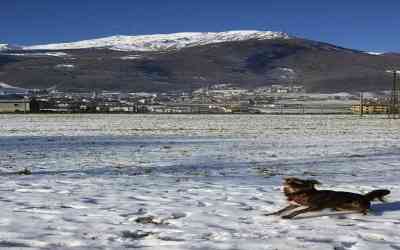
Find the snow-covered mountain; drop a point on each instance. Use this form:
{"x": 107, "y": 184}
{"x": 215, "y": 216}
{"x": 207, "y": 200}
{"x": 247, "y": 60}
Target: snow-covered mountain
{"x": 163, "y": 41}
{"x": 255, "y": 59}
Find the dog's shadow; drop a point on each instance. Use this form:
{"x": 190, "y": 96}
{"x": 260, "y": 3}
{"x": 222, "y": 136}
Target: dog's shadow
{"x": 338, "y": 214}
{"x": 377, "y": 209}
{"x": 381, "y": 208}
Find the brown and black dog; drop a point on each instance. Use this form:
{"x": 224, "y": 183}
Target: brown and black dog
{"x": 303, "y": 193}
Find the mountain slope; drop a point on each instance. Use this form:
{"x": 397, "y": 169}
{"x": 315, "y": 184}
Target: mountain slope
{"x": 248, "y": 63}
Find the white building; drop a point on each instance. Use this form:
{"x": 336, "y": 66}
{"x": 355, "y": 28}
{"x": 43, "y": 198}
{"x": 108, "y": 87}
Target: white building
{"x": 14, "y": 105}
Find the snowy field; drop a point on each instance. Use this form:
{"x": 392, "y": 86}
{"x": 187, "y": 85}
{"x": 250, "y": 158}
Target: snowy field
{"x": 192, "y": 181}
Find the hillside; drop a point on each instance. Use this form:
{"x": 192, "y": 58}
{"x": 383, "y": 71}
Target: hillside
{"x": 247, "y": 62}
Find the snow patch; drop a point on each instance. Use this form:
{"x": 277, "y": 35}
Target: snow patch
{"x": 289, "y": 70}
{"x": 161, "y": 42}
{"x": 5, "y": 85}
{"x": 55, "y": 54}
{"x": 68, "y": 66}
{"x": 131, "y": 57}
{"x": 375, "y": 53}
{"x": 6, "y": 89}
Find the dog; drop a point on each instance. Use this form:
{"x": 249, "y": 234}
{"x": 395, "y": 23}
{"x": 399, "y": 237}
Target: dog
{"x": 303, "y": 193}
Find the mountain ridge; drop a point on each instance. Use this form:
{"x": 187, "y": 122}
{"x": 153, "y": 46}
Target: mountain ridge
{"x": 162, "y": 42}
{"x": 248, "y": 63}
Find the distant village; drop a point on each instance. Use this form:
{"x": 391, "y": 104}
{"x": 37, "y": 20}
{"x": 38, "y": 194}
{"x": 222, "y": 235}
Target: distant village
{"x": 218, "y": 98}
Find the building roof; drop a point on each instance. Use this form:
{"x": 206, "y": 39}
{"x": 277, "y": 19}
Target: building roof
{"x": 13, "y": 99}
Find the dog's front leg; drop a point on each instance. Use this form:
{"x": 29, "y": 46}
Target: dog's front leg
{"x": 290, "y": 207}
{"x": 301, "y": 211}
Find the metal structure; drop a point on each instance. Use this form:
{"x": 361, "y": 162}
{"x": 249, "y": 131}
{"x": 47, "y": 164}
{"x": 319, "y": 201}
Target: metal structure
{"x": 361, "y": 104}
{"x": 394, "y": 99}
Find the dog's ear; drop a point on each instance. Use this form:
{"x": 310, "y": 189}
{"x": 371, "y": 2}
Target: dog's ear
{"x": 288, "y": 179}
{"x": 292, "y": 180}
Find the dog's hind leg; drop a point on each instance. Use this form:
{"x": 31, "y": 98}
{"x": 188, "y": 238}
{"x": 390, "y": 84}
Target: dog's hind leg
{"x": 290, "y": 207}
{"x": 301, "y": 211}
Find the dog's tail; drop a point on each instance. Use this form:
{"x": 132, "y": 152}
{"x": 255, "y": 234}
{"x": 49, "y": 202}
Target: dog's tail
{"x": 377, "y": 194}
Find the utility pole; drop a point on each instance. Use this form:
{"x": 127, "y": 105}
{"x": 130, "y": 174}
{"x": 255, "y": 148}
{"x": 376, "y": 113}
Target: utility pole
{"x": 361, "y": 104}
